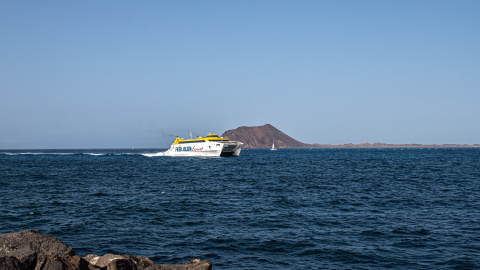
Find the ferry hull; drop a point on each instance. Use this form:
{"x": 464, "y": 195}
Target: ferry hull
{"x": 207, "y": 149}
{"x": 231, "y": 149}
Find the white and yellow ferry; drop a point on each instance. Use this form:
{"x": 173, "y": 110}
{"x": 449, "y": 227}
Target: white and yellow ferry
{"x": 210, "y": 146}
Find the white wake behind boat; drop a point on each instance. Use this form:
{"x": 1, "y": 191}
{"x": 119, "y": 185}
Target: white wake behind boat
{"x": 210, "y": 146}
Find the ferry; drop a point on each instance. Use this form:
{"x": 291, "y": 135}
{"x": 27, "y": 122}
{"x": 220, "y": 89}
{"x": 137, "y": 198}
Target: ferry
{"x": 210, "y": 146}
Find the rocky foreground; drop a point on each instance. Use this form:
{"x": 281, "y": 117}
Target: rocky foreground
{"x": 31, "y": 250}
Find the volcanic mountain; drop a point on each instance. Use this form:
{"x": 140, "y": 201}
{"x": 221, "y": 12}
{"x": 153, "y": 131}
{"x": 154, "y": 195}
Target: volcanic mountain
{"x": 262, "y": 137}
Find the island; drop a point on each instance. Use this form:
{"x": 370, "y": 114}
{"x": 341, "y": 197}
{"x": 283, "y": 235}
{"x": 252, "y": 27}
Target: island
{"x": 264, "y": 136}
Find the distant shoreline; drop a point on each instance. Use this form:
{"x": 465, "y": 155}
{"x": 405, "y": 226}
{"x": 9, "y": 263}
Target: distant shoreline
{"x": 377, "y": 145}
{"x": 386, "y": 145}
{"x": 263, "y": 137}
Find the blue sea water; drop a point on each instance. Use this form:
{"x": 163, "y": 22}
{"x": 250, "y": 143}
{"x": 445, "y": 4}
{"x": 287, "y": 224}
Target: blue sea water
{"x": 285, "y": 209}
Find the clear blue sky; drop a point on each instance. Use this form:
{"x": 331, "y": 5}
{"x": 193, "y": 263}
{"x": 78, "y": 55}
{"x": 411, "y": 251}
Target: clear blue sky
{"x": 101, "y": 74}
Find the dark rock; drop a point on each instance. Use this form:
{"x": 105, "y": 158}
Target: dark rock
{"x": 122, "y": 264}
{"x": 123, "y": 261}
{"x": 35, "y": 241}
{"x": 196, "y": 264}
{"x": 30, "y": 245}
{"x": 31, "y": 250}
{"x": 50, "y": 263}
{"x": 10, "y": 263}
{"x": 103, "y": 261}
{"x": 26, "y": 257}
{"x": 54, "y": 262}
{"x": 141, "y": 262}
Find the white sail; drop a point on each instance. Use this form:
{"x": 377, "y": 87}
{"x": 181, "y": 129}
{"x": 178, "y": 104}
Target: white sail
{"x": 273, "y": 146}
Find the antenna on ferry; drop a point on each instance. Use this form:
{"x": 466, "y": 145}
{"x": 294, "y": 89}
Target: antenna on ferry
{"x": 191, "y": 135}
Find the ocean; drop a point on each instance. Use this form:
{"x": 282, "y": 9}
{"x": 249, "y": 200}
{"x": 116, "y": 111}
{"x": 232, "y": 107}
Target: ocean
{"x": 285, "y": 209}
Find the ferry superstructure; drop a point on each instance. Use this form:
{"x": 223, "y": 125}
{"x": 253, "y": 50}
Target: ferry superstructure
{"x": 210, "y": 146}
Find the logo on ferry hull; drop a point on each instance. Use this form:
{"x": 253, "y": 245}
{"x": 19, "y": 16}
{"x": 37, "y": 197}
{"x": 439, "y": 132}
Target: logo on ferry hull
{"x": 197, "y": 149}
{"x": 187, "y": 149}
{"x": 183, "y": 149}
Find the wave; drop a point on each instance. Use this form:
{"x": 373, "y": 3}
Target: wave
{"x": 70, "y": 154}
{"x": 159, "y": 154}
{"x": 34, "y": 153}
{"x": 78, "y": 152}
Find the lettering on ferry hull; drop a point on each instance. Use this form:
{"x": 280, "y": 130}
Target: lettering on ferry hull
{"x": 188, "y": 149}
{"x": 183, "y": 149}
{"x": 197, "y": 149}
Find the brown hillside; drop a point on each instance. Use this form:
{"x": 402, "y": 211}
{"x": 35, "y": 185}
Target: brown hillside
{"x": 262, "y": 137}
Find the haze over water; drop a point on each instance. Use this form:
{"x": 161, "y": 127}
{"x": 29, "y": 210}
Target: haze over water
{"x": 285, "y": 209}
{"x": 122, "y": 74}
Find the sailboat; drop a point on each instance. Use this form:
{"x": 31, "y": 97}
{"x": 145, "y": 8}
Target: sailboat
{"x": 273, "y": 147}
